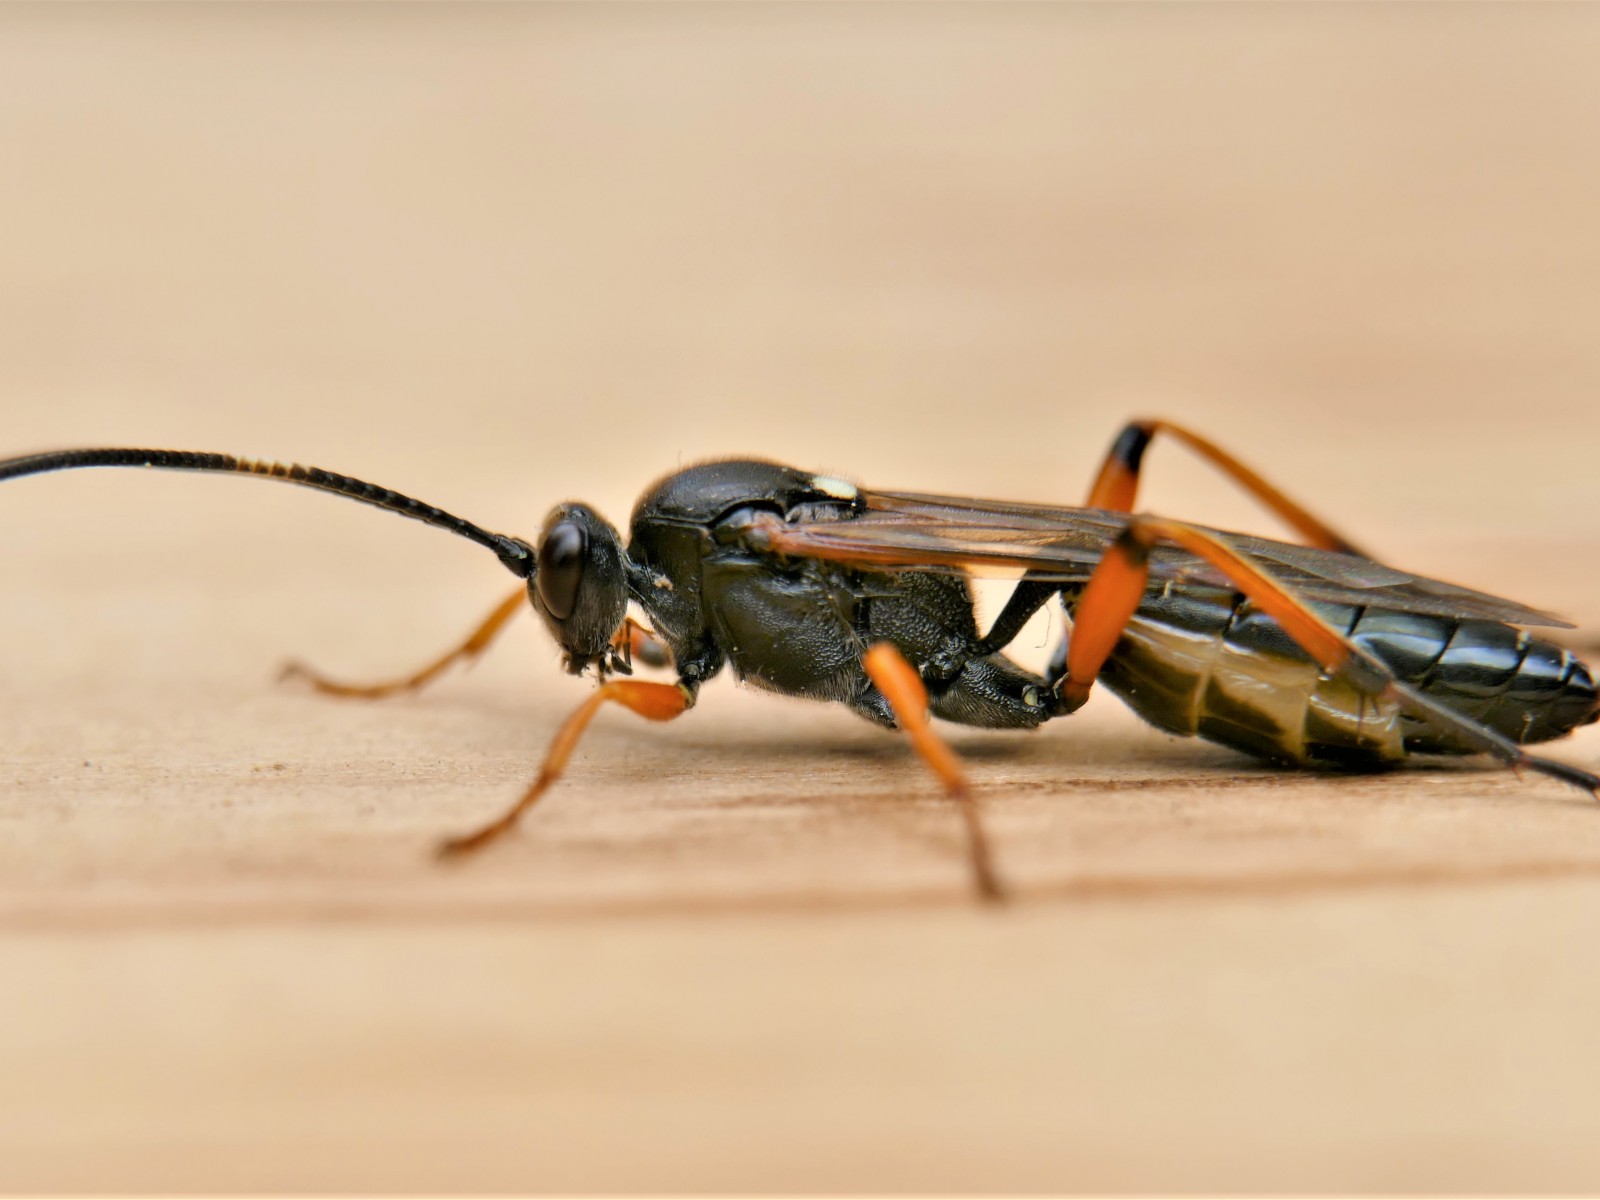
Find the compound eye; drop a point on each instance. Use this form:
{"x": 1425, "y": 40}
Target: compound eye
{"x": 561, "y": 568}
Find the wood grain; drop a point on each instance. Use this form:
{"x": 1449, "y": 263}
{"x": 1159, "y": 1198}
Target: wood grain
{"x": 498, "y": 257}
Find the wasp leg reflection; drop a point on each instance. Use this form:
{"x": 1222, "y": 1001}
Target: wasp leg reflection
{"x": 903, "y": 688}
{"x": 653, "y": 701}
{"x": 468, "y": 650}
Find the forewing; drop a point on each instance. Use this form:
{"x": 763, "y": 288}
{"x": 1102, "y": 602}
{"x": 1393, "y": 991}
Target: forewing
{"x": 903, "y": 530}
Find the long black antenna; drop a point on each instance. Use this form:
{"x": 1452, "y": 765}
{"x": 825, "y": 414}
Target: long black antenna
{"x": 516, "y": 554}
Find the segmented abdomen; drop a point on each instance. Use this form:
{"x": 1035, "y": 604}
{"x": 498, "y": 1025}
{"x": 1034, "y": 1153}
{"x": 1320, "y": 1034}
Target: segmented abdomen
{"x": 1209, "y": 663}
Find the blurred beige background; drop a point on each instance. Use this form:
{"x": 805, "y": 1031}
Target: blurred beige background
{"x": 501, "y": 256}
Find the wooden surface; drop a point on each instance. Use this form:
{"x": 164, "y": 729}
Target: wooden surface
{"x": 499, "y": 257}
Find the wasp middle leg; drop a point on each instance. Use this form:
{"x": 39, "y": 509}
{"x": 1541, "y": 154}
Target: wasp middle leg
{"x": 902, "y": 687}
{"x": 653, "y": 701}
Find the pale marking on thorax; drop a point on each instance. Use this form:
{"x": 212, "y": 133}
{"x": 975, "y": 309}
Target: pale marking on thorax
{"x": 839, "y": 489}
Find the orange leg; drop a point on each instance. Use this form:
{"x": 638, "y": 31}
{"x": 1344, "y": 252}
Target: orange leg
{"x": 1117, "y": 485}
{"x": 468, "y": 650}
{"x": 653, "y": 701}
{"x": 902, "y": 687}
{"x": 1113, "y": 593}
{"x": 636, "y": 641}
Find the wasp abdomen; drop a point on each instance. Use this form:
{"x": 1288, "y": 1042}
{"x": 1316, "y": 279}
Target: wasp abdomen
{"x": 1209, "y": 663}
{"x": 1519, "y": 685}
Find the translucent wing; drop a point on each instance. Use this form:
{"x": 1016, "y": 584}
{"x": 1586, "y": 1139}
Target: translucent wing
{"x": 983, "y": 537}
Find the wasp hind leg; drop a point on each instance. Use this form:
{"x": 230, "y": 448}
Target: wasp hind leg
{"x": 476, "y": 643}
{"x": 1116, "y": 487}
{"x": 1113, "y": 593}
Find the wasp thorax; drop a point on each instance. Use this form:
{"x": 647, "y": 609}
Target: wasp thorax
{"x": 578, "y": 584}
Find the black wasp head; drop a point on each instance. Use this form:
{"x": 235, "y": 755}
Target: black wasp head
{"x": 578, "y": 585}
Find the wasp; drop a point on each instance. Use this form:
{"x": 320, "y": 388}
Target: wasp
{"x": 1308, "y": 653}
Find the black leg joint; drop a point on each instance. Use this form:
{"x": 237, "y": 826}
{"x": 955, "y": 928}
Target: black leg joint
{"x": 1027, "y": 598}
{"x": 1131, "y": 444}
{"x": 1133, "y": 544}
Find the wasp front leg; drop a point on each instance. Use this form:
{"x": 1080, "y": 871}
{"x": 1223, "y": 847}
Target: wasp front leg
{"x": 653, "y": 701}
{"x": 476, "y": 643}
{"x": 636, "y": 641}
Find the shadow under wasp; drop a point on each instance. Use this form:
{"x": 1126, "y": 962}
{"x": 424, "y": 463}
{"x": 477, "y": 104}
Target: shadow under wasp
{"x": 1308, "y": 654}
